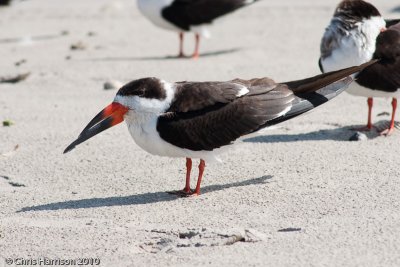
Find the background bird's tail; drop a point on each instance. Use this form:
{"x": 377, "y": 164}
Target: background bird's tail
{"x": 313, "y": 92}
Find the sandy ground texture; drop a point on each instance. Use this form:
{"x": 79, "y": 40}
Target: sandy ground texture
{"x": 298, "y": 195}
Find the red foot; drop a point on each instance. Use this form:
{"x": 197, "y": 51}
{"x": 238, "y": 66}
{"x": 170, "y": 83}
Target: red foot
{"x": 387, "y": 132}
{"x": 195, "y": 56}
{"x": 184, "y": 193}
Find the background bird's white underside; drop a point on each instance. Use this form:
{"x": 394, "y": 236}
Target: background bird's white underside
{"x": 358, "y": 90}
{"x": 355, "y": 48}
{"x": 152, "y": 10}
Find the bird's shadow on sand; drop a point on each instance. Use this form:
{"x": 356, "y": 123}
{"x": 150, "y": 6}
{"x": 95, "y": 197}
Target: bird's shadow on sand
{"x": 338, "y": 134}
{"x": 140, "y": 199}
{"x": 202, "y": 55}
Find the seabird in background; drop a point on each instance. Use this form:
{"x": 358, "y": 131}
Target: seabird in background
{"x": 357, "y": 33}
{"x": 201, "y": 119}
{"x": 188, "y": 15}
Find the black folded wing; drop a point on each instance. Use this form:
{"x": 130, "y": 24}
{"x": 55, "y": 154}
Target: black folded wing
{"x": 205, "y": 116}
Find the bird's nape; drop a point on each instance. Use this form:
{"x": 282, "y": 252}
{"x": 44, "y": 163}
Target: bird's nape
{"x": 110, "y": 116}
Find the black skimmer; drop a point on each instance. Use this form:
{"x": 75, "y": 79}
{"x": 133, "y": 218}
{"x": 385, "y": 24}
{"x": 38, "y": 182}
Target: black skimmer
{"x": 200, "y": 119}
{"x": 357, "y": 33}
{"x": 188, "y": 15}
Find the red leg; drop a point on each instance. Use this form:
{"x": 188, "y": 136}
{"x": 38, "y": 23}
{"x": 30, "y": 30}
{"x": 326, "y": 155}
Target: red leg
{"x": 188, "y": 170}
{"x": 389, "y": 131}
{"x": 186, "y": 191}
{"x": 369, "y": 126}
{"x": 181, "y": 54}
{"x": 202, "y": 166}
{"x": 197, "y": 47}
{"x": 370, "y": 102}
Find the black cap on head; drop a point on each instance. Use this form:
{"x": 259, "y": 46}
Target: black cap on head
{"x": 146, "y": 88}
{"x": 356, "y": 10}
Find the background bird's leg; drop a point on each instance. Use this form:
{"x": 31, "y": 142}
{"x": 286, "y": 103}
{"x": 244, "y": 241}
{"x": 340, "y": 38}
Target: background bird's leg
{"x": 197, "y": 47}
{"x": 369, "y": 126}
{"x": 390, "y": 130}
{"x": 202, "y": 166}
{"x": 181, "y": 54}
{"x": 188, "y": 170}
{"x": 370, "y": 102}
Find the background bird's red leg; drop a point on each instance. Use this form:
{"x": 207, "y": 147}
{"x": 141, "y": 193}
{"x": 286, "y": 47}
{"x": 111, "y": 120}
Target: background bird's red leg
{"x": 181, "y": 54}
{"x": 202, "y": 166}
{"x": 370, "y": 102}
{"x": 391, "y": 127}
{"x": 197, "y": 47}
{"x": 369, "y": 126}
{"x": 188, "y": 170}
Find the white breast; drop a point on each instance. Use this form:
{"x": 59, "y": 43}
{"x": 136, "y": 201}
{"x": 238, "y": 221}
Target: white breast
{"x": 353, "y": 48}
{"x": 143, "y": 129}
{"x": 352, "y": 51}
{"x": 152, "y": 10}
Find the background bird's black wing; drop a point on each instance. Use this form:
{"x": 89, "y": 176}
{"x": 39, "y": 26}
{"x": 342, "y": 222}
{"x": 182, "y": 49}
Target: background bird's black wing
{"x": 186, "y": 13}
{"x": 385, "y": 74}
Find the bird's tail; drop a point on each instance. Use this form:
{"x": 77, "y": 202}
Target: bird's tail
{"x": 313, "y": 92}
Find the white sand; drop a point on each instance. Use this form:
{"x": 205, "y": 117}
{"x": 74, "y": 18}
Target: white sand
{"x": 107, "y": 198}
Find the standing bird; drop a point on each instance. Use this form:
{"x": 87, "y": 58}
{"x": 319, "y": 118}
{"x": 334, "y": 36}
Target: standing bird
{"x": 357, "y": 33}
{"x": 200, "y": 119}
{"x": 188, "y": 15}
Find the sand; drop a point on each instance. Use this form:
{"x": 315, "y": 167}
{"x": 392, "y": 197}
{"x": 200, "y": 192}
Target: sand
{"x": 298, "y": 195}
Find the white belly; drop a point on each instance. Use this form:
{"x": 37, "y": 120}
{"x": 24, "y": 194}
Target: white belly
{"x": 151, "y": 9}
{"x": 348, "y": 54}
{"x": 143, "y": 130}
{"x": 358, "y": 90}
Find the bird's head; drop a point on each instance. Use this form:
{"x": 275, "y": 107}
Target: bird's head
{"x": 148, "y": 95}
{"x": 361, "y": 15}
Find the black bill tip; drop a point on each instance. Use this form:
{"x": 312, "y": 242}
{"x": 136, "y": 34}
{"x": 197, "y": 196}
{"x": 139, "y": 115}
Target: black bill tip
{"x": 69, "y": 148}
